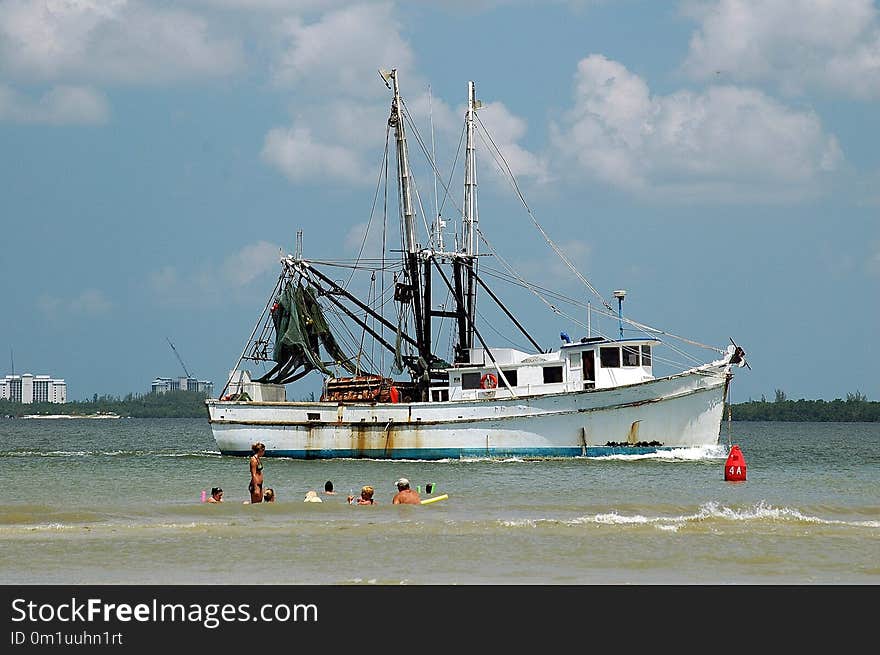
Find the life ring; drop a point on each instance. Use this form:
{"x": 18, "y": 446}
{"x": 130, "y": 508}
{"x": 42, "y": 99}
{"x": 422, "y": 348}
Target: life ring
{"x": 488, "y": 381}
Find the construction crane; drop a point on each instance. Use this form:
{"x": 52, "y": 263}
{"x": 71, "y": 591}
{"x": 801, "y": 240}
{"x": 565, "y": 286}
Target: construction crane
{"x": 178, "y": 357}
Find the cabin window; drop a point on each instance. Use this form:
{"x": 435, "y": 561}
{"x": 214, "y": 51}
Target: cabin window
{"x": 552, "y": 374}
{"x": 313, "y": 416}
{"x": 646, "y": 355}
{"x": 630, "y": 355}
{"x": 440, "y": 395}
{"x": 470, "y": 380}
{"x": 609, "y": 356}
{"x": 574, "y": 360}
{"x": 511, "y": 377}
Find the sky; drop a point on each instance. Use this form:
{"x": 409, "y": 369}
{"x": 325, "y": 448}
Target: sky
{"x": 718, "y": 159}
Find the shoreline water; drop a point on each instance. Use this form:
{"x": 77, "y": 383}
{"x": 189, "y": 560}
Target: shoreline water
{"x": 118, "y": 502}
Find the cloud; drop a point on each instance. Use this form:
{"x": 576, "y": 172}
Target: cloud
{"x": 506, "y": 129}
{"x": 61, "y": 105}
{"x": 272, "y": 5}
{"x": 366, "y": 244}
{"x": 89, "y": 303}
{"x": 795, "y": 44}
{"x": 343, "y": 50}
{"x": 543, "y": 267}
{"x": 297, "y": 154}
{"x": 724, "y": 142}
{"x": 230, "y": 280}
{"x": 249, "y": 263}
{"x": 118, "y": 40}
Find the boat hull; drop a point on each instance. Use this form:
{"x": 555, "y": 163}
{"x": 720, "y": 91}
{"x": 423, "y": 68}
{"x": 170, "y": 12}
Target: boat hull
{"x": 679, "y": 411}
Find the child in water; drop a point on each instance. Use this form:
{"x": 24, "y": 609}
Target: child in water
{"x": 366, "y": 497}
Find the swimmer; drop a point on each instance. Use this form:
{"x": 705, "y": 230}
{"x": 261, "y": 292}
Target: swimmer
{"x": 366, "y": 497}
{"x": 405, "y": 495}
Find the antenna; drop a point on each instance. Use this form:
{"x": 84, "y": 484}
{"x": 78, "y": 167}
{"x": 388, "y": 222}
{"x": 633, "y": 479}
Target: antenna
{"x": 178, "y": 357}
{"x": 620, "y": 294}
{"x": 438, "y": 227}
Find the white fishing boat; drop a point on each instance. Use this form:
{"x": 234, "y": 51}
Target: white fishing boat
{"x": 589, "y": 396}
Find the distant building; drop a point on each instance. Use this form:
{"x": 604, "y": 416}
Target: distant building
{"x": 163, "y": 385}
{"x": 28, "y": 389}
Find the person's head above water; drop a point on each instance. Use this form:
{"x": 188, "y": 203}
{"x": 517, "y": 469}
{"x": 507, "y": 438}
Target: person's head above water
{"x": 328, "y": 486}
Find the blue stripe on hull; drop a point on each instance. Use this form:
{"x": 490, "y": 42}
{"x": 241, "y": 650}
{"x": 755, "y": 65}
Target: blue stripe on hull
{"x": 457, "y": 453}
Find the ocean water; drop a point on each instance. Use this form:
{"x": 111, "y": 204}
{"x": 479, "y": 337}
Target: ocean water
{"x": 85, "y": 501}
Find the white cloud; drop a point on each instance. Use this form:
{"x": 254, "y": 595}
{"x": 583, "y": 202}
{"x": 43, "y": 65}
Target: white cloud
{"x": 231, "y": 279}
{"x": 577, "y": 252}
{"x": 61, "y": 105}
{"x": 506, "y": 130}
{"x": 301, "y": 157}
{"x": 358, "y": 237}
{"x": 90, "y": 303}
{"x": 273, "y": 5}
{"x": 725, "y": 140}
{"x": 343, "y": 50}
{"x": 544, "y": 268}
{"x": 119, "y": 40}
{"x": 249, "y": 263}
{"x": 834, "y": 44}
{"x": 341, "y": 136}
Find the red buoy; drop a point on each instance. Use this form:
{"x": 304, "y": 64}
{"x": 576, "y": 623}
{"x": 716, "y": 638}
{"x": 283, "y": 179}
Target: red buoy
{"x": 735, "y": 466}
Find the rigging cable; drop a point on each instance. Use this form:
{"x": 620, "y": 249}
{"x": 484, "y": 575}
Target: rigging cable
{"x": 424, "y": 150}
{"x": 556, "y": 249}
{"x": 382, "y": 164}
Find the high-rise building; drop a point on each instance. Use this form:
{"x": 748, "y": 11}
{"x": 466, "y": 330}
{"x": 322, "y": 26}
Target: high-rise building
{"x": 29, "y": 388}
{"x": 183, "y": 383}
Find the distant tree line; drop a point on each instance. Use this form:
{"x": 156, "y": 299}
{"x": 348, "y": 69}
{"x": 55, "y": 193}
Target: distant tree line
{"x": 856, "y": 407}
{"x": 171, "y": 404}
{"x": 191, "y": 404}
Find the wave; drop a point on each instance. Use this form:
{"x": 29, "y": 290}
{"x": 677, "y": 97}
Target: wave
{"x": 691, "y": 453}
{"x": 760, "y": 513}
{"x": 105, "y": 526}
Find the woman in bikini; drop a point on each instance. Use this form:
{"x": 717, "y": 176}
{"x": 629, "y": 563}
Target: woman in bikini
{"x": 256, "y": 466}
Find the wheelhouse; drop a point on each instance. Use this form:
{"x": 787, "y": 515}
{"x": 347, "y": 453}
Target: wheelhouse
{"x": 592, "y": 363}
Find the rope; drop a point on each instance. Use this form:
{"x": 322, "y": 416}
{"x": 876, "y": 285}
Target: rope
{"x": 559, "y": 253}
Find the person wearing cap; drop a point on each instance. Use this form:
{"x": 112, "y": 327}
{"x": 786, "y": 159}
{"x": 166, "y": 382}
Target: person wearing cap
{"x": 216, "y": 495}
{"x": 405, "y": 495}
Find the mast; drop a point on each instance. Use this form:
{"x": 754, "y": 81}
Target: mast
{"x": 415, "y": 292}
{"x": 470, "y": 222}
